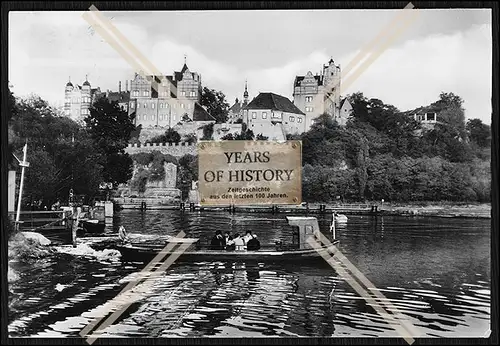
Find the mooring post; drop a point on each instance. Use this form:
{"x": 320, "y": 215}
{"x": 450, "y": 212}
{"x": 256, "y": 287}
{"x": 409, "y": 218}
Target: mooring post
{"x": 191, "y": 206}
{"x": 74, "y": 226}
{"x": 182, "y": 206}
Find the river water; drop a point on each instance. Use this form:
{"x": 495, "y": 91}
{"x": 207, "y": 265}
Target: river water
{"x": 435, "y": 271}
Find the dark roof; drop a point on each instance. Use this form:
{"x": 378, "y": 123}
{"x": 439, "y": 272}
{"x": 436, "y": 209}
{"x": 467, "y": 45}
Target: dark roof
{"x": 69, "y": 84}
{"x": 274, "y": 102}
{"x": 178, "y": 75}
{"x": 123, "y": 96}
{"x": 86, "y": 83}
{"x": 299, "y": 79}
{"x": 236, "y": 107}
{"x": 200, "y": 114}
{"x": 331, "y": 61}
{"x": 184, "y": 68}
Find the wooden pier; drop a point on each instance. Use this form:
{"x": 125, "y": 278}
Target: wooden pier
{"x": 155, "y": 204}
{"x": 56, "y": 226}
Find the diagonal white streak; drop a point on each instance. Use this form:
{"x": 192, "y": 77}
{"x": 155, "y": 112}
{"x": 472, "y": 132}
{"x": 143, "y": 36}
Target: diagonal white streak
{"x": 406, "y": 330}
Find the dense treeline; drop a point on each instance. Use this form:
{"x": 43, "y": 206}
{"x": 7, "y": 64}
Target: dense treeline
{"x": 65, "y": 155}
{"x": 383, "y": 153}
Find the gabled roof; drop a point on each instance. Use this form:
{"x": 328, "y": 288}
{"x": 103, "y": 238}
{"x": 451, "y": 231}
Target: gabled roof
{"x": 236, "y": 107}
{"x": 299, "y": 79}
{"x": 178, "y": 75}
{"x": 274, "y": 102}
{"x": 200, "y": 114}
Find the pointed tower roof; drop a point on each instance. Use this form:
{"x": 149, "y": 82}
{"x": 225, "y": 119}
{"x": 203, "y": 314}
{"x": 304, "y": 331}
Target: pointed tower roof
{"x": 185, "y": 67}
{"x": 69, "y": 82}
{"x": 86, "y": 81}
{"x": 245, "y": 94}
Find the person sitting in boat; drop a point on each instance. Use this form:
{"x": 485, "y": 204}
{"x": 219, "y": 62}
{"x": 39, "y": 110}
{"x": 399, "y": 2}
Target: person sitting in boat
{"x": 239, "y": 243}
{"x": 217, "y": 241}
{"x": 122, "y": 234}
{"x": 253, "y": 244}
{"x": 229, "y": 242}
{"x": 247, "y": 237}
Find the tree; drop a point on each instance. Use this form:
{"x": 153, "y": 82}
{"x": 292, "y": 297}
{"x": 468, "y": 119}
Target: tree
{"x": 208, "y": 131}
{"x": 215, "y": 103}
{"x": 170, "y": 136}
{"x": 245, "y": 135}
{"x": 479, "y": 133}
{"x": 61, "y": 153}
{"x": 110, "y": 127}
{"x": 188, "y": 172}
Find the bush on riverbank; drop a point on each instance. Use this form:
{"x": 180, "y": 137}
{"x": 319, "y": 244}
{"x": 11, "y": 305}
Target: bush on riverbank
{"x": 26, "y": 250}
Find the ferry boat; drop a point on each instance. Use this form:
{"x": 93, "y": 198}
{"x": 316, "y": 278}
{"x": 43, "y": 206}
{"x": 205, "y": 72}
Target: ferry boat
{"x": 140, "y": 251}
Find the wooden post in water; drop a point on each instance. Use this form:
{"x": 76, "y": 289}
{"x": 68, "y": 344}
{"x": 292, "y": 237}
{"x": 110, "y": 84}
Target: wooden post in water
{"x": 75, "y": 225}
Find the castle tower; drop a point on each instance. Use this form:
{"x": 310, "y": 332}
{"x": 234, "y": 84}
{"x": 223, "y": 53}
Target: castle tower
{"x": 86, "y": 98}
{"x": 331, "y": 84}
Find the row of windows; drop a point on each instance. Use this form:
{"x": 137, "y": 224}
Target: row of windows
{"x": 275, "y": 115}
{"x": 153, "y": 117}
{"x": 309, "y": 109}
{"x": 85, "y": 112}
{"x": 191, "y": 93}
{"x": 77, "y": 99}
{"x": 144, "y": 93}
{"x": 163, "y": 93}
{"x": 309, "y": 98}
{"x": 161, "y": 105}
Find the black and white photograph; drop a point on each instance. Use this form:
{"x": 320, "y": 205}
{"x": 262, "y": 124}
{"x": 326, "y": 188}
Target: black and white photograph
{"x": 248, "y": 173}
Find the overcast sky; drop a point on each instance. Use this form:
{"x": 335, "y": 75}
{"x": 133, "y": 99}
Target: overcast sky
{"x": 443, "y": 50}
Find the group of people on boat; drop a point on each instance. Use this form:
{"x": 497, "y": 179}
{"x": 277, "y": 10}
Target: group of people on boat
{"x": 239, "y": 243}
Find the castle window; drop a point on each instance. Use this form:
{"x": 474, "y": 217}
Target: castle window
{"x": 182, "y": 105}
{"x": 189, "y": 105}
{"x": 192, "y": 93}
{"x": 136, "y": 93}
{"x": 161, "y": 105}
{"x": 264, "y": 115}
{"x": 138, "y": 104}
{"x": 145, "y": 117}
{"x": 153, "y": 117}
{"x": 299, "y": 120}
{"x": 152, "y": 105}
{"x": 145, "y": 105}
{"x": 145, "y": 93}
{"x": 183, "y": 93}
{"x": 254, "y": 115}
{"x": 309, "y": 109}
{"x": 292, "y": 118}
{"x": 309, "y": 98}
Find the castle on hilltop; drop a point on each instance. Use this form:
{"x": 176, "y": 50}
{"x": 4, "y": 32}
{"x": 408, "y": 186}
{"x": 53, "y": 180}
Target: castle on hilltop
{"x": 320, "y": 93}
{"x": 164, "y": 101}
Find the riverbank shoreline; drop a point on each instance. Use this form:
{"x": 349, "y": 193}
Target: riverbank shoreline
{"x": 480, "y": 211}
{"x": 431, "y": 209}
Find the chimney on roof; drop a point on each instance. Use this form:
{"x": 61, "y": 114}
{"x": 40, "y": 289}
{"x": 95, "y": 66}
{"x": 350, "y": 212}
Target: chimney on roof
{"x": 120, "y": 86}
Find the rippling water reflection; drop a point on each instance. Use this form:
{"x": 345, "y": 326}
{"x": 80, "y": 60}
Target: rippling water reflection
{"x": 435, "y": 271}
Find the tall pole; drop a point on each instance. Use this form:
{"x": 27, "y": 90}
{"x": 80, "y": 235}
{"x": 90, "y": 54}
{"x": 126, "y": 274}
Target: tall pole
{"x": 23, "y": 164}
